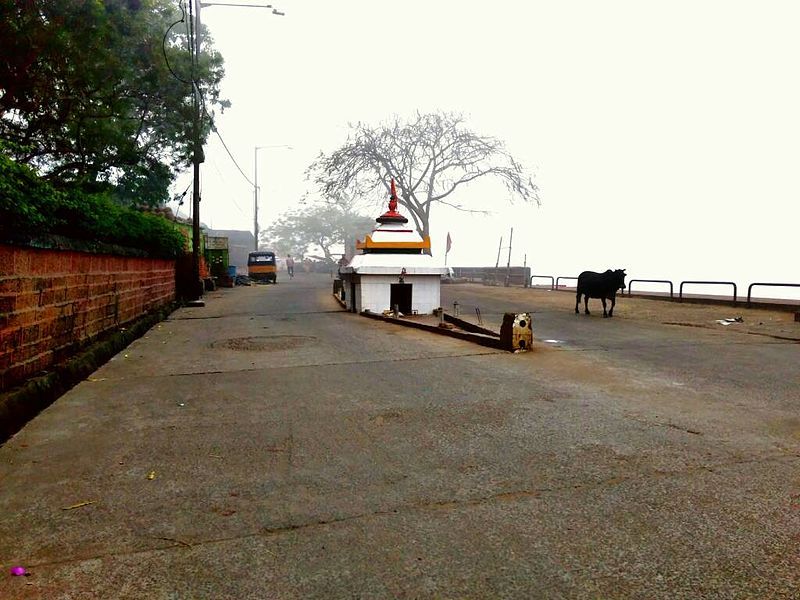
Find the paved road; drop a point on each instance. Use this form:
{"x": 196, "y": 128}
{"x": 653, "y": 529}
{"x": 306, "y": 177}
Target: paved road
{"x": 749, "y": 369}
{"x": 272, "y": 446}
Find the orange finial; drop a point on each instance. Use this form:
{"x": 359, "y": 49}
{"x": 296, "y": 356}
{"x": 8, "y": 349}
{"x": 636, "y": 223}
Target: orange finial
{"x": 392, "y": 216}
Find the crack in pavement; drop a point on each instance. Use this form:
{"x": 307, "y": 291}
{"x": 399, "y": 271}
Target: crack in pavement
{"x": 252, "y": 314}
{"x": 504, "y": 496}
{"x": 321, "y": 364}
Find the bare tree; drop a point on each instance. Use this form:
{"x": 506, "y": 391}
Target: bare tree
{"x": 430, "y": 157}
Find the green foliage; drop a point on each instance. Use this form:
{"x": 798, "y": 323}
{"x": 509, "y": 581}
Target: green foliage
{"x": 32, "y": 208}
{"x": 18, "y": 184}
{"x": 317, "y": 228}
{"x": 97, "y": 94}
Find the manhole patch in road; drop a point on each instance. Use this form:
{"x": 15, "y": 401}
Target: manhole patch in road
{"x": 264, "y": 343}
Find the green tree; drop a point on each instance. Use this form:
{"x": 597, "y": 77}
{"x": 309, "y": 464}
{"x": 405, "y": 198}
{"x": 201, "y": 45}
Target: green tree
{"x": 430, "y": 157}
{"x": 96, "y": 94}
{"x": 316, "y": 229}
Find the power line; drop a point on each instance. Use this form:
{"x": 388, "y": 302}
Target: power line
{"x": 195, "y": 84}
{"x": 219, "y": 135}
{"x": 224, "y": 145}
{"x": 233, "y": 199}
{"x": 164, "y": 45}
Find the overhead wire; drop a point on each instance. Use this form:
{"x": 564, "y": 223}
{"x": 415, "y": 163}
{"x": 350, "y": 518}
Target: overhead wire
{"x": 222, "y": 177}
{"x": 215, "y": 129}
{"x": 224, "y": 145}
{"x": 164, "y": 45}
{"x": 195, "y": 84}
{"x": 180, "y": 199}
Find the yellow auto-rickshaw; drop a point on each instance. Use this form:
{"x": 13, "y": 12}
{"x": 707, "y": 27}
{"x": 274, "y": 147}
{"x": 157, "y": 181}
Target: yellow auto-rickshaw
{"x": 261, "y": 266}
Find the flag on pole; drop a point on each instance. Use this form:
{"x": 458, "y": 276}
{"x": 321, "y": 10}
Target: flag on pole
{"x": 449, "y": 243}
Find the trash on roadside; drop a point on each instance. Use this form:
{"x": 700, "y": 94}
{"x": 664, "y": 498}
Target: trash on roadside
{"x": 19, "y": 572}
{"x": 730, "y": 321}
{"x": 78, "y": 505}
{"x": 151, "y": 475}
{"x": 552, "y": 341}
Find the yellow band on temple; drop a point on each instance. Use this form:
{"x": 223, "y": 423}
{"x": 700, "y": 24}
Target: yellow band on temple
{"x": 368, "y": 243}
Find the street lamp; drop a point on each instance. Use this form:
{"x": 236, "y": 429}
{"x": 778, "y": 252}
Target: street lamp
{"x": 197, "y": 148}
{"x": 255, "y": 187}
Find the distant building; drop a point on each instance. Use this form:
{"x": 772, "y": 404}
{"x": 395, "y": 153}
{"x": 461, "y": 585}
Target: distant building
{"x": 240, "y": 244}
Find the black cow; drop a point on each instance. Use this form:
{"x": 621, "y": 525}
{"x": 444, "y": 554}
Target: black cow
{"x": 600, "y": 285}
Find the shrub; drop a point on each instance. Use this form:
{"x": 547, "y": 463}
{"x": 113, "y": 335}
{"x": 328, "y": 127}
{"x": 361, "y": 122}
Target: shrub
{"x": 31, "y": 207}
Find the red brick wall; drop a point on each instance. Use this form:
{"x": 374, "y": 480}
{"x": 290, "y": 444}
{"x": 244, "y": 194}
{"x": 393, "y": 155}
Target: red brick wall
{"x": 53, "y": 300}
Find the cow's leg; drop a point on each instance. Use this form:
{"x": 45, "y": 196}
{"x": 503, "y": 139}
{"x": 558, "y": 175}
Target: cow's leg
{"x": 586, "y": 304}
{"x": 603, "y": 300}
{"x": 613, "y": 304}
{"x": 577, "y": 302}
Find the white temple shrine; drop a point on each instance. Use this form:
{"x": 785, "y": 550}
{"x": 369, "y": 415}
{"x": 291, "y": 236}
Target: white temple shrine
{"x": 393, "y": 271}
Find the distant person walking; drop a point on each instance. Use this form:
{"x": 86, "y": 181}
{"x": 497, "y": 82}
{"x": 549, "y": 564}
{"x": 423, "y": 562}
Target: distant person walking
{"x": 290, "y": 266}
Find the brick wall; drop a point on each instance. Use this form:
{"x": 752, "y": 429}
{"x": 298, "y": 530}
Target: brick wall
{"x": 52, "y": 301}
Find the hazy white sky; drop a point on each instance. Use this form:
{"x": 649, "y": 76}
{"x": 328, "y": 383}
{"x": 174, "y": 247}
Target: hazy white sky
{"x": 664, "y": 136}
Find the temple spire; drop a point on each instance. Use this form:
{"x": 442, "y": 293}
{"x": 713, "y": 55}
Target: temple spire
{"x": 393, "y": 199}
{"x": 392, "y": 216}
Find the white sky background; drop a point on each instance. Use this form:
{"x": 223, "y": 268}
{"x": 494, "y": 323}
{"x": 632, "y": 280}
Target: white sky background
{"x": 664, "y": 136}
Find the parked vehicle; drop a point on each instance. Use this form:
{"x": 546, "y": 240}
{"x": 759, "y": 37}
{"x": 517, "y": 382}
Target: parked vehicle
{"x": 261, "y": 266}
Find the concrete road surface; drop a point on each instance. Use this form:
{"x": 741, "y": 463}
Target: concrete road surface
{"x": 270, "y": 445}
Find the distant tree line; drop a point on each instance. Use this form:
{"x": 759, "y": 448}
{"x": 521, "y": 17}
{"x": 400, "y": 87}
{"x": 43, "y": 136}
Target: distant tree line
{"x": 319, "y": 232}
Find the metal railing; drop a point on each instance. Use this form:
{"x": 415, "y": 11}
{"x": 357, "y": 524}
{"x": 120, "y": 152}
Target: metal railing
{"x": 680, "y": 289}
{"x": 750, "y": 287}
{"x": 560, "y": 278}
{"x": 550, "y": 277}
{"x": 555, "y": 282}
{"x": 667, "y": 281}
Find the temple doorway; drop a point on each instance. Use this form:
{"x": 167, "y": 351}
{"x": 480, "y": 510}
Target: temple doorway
{"x": 400, "y": 296}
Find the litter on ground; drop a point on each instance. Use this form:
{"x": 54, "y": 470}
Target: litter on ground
{"x": 79, "y": 505}
{"x": 730, "y": 321}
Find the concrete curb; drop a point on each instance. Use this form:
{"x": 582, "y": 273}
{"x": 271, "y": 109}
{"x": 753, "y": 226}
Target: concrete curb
{"x": 476, "y": 338}
{"x": 21, "y": 404}
{"x": 471, "y": 327}
{"x": 472, "y": 333}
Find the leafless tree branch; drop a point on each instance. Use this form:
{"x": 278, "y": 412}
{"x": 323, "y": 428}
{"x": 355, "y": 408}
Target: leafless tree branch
{"x": 430, "y": 157}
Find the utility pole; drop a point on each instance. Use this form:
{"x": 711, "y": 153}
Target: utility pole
{"x": 197, "y": 147}
{"x": 256, "y": 188}
{"x": 196, "y": 291}
{"x": 255, "y": 196}
{"x": 497, "y": 262}
{"x": 508, "y": 264}
{"x": 527, "y": 281}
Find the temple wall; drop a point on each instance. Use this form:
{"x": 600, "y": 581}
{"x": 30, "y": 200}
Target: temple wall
{"x": 374, "y": 291}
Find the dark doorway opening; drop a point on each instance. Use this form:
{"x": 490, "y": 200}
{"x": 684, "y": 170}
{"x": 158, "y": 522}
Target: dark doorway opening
{"x": 353, "y": 297}
{"x": 400, "y": 296}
